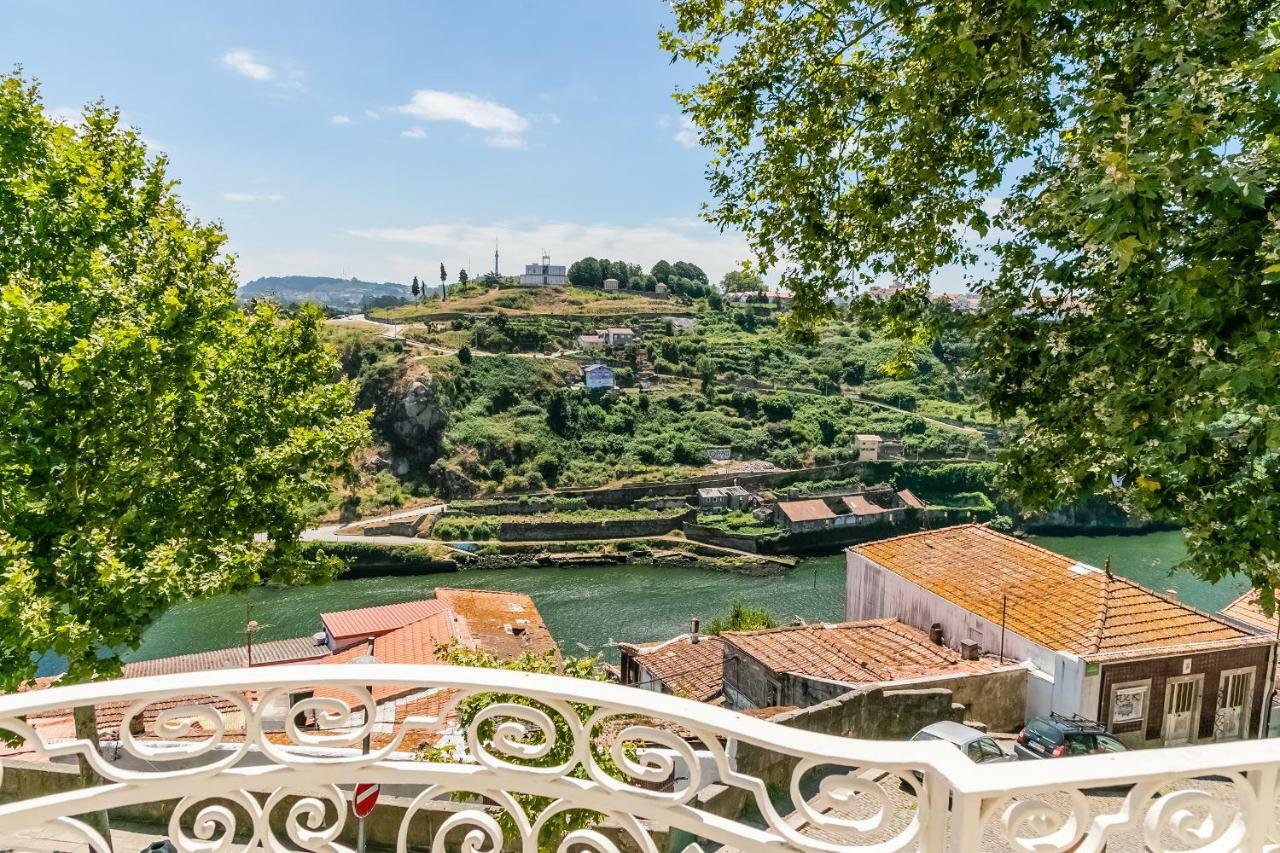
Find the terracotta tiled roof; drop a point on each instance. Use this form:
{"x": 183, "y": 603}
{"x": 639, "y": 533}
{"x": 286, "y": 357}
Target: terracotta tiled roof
{"x": 346, "y": 625}
{"x": 692, "y": 670}
{"x": 908, "y": 497}
{"x": 859, "y": 505}
{"x": 810, "y": 510}
{"x": 1246, "y": 609}
{"x": 504, "y": 624}
{"x": 1053, "y": 600}
{"x": 865, "y": 652}
{"x": 294, "y": 650}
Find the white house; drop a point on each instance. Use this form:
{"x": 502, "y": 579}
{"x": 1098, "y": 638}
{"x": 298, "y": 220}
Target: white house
{"x": 610, "y": 284}
{"x": 597, "y": 376}
{"x": 868, "y": 447}
{"x": 1153, "y": 670}
{"x": 544, "y": 273}
{"x": 617, "y": 336}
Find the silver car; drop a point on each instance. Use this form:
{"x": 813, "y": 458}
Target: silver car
{"x": 978, "y": 745}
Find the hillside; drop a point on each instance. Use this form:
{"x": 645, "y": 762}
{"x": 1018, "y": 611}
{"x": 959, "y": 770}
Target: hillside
{"x": 504, "y": 416}
{"x": 343, "y": 293}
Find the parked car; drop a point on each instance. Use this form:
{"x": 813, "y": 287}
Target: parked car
{"x": 978, "y": 745}
{"x": 1057, "y": 736}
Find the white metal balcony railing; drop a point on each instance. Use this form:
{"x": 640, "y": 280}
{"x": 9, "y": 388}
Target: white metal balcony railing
{"x": 663, "y": 785}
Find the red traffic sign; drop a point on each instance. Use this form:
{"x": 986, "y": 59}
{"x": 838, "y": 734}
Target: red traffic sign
{"x": 366, "y": 797}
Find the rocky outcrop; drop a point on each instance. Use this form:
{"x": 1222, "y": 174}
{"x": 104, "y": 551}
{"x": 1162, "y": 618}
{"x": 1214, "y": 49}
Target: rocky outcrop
{"x": 418, "y": 425}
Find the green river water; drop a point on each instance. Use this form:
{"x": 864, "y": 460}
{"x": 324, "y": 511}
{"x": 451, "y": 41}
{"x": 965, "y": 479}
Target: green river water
{"x": 588, "y": 608}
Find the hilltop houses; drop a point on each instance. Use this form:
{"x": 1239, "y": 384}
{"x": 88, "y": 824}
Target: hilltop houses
{"x": 545, "y": 273}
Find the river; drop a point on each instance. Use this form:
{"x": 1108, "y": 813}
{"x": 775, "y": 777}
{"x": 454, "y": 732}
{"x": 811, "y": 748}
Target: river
{"x": 589, "y": 608}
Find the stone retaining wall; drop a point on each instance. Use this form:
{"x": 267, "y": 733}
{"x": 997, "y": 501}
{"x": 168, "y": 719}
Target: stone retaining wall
{"x": 525, "y": 531}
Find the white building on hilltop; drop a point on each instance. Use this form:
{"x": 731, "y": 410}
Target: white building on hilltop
{"x": 544, "y": 273}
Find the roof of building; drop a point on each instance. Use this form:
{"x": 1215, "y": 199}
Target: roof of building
{"x": 590, "y": 339}
{"x": 867, "y": 652}
{"x": 370, "y": 621}
{"x": 1052, "y": 600}
{"x": 721, "y": 491}
{"x": 592, "y": 367}
{"x": 867, "y": 436}
{"x": 808, "y": 510}
{"x": 619, "y": 330}
{"x": 1248, "y": 610}
{"x": 859, "y": 505}
{"x": 908, "y": 497}
{"x": 688, "y": 669}
{"x": 293, "y": 650}
{"x": 504, "y": 624}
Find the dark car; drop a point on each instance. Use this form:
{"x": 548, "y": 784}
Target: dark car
{"x": 1057, "y": 736}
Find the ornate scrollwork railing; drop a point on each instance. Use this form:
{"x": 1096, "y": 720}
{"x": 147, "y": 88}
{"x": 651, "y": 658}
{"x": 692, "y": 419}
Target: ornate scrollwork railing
{"x": 266, "y": 757}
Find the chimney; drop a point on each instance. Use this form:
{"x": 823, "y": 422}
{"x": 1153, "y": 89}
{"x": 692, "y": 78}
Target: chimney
{"x": 969, "y": 649}
{"x": 1171, "y": 593}
{"x": 694, "y": 624}
{"x": 935, "y": 633}
{"x": 1106, "y": 566}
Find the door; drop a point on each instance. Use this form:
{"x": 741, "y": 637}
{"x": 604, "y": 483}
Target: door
{"x": 1235, "y": 700}
{"x": 1181, "y": 709}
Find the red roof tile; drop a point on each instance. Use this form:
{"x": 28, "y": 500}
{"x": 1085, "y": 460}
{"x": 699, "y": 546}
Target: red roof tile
{"x": 692, "y": 670}
{"x": 867, "y": 652}
{"x": 1052, "y": 600}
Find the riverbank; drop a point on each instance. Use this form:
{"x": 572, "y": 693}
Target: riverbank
{"x": 588, "y": 607}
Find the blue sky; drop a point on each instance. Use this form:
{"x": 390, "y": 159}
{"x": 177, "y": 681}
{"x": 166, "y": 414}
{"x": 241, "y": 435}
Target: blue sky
{"x": 379, "y": 139}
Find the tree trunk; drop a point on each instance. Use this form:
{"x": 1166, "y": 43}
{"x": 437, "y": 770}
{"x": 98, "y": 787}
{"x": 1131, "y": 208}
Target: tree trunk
{"x": 86, "y": 720}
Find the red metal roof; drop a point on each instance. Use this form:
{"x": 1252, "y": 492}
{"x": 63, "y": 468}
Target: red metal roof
{"x": 859, "y": 505}
{"x": 810, "y": 510}
{"x": 346, "y": 625}
{"x": 293, "y": 650}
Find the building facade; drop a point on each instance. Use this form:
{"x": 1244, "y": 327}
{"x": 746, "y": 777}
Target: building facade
{"x": 544, "y": 273}
{"x": 1155, "y": 671}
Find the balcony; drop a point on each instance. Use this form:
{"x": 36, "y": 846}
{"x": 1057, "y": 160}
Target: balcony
{"x": 267, "y": 757}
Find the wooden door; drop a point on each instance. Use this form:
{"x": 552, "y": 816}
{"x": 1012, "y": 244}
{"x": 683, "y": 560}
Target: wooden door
{"x": 1235, "y": 701}
{"x": 1181, "y": 709}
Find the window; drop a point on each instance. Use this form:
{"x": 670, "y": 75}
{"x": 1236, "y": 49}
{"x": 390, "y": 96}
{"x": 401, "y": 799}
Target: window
{"x": 1129, "y": 702}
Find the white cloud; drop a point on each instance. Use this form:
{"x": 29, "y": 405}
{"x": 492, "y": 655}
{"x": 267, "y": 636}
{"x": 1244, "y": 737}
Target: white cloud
{"x": 243, "y": 63}
{"x": 414, "y": 132}
{"x": 645, "y": 244}
{"x": 687, "y": 135}
{"x": 373, "y": 114}
{"x": 664, "y": 121}
{"x": 252, "y": 197}
{"x": 505, "y": 140}
{"x": 340, "y": 119}
{"x": 432, "y": 105}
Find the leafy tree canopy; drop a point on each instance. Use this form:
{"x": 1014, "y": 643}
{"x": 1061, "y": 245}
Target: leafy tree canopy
{"x": 149, "y": 429}
{"x": 741, "y": 281}
{"x": 1112, "y": 171}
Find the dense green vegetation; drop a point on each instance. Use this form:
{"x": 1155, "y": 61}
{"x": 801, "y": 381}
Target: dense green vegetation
{"x": 152, "y": 428}
{"x": 734, "y": 378}
{"x": 1109, "y": 171}
{"x": 742, "y": 617}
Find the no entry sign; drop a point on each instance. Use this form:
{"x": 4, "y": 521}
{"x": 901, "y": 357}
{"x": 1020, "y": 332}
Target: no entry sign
{"x": 366, "y": 797}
